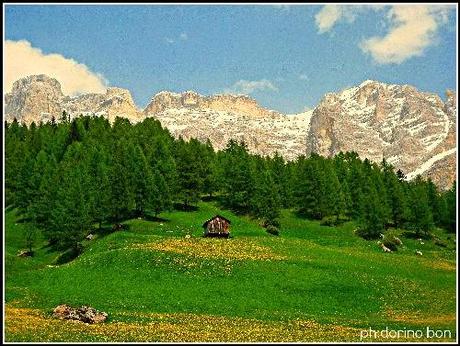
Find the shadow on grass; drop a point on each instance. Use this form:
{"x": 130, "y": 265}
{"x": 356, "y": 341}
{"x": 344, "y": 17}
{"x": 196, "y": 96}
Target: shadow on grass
{"x": 152, "y": 218}
{"x": 415, "y": 235}
{"x": 9, "y": 207}
{"x": 24, "y": 220}
{"x": 210, "y": 198}
{"x": 303, "y": 214}
{"x": 67, "y": 256}
{"x": 184, "y": 207}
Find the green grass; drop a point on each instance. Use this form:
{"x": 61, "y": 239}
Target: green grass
{"x": 309, "y": 272}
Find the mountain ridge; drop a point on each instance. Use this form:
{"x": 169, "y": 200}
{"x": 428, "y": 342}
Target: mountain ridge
{"x": 405, "y": 126}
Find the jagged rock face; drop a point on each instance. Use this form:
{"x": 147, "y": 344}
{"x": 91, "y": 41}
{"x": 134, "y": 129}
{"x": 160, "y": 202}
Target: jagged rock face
{"x": 39, "y": 98}
{"x": 240, "y": 104}
{"x": 220, "y": 118}
{"x": 33, "y": 98}
{"x": 115, "y": 102}
{"x": 406, "y": 127}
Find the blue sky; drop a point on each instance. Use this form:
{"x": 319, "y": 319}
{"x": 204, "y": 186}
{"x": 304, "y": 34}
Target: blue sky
{"x": 286, "y": 57}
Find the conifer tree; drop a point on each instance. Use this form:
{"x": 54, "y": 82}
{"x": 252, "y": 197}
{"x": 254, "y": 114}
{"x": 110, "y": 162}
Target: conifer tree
{"x": 237, "y": 177}
{"x": 161, "y": 197}
{"x": 189, "y": 171}
{"x": 396, "y": 197}
{"x": 371, "y": 214}
{"x": 308, "y": 188}
{"x": 332, "y": 199}
{"x": 266, "y": 201}
{"x": 143, "y": 183}
{"x": 434, "y": 201}
{"x": 122, "y": 194}
{"x": 100, "y": 190}
{"x": 44, "y": 187}
{"x": 71, "y": 215}
{"x": 450, "y": 219}
{"x": 421, "y": 219}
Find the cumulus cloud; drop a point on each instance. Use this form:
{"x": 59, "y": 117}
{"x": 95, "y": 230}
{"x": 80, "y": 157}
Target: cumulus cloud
{"x": 247, "y": 87}
{"x": 413, "y": 29}
{"x": 21, "y": 60}
{"x": 332, "y": 14}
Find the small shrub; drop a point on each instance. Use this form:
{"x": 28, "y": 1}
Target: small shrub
{"x": 271, "y": 222}
{"x": 440, "y": 243}
{"x": 273, "y": 230}
{"x": 120, "y": 227}
{"x": 415, "y": 235}
{"x": 331, "y": 221}
{"x": 70, "y": 254}
{"x": 367, "y": 234}
{"x": 391, "y": 243}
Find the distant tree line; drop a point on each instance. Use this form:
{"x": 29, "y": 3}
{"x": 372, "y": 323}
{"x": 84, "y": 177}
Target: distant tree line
{"x": 68, "y": 177}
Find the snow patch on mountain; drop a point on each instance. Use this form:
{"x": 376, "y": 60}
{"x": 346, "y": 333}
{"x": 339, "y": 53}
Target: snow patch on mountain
{"x": 427, "y": 165}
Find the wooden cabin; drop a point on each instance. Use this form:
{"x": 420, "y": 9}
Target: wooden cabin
{"x": 217, "y": 226}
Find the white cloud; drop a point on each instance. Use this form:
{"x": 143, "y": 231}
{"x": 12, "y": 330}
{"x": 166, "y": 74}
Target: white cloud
{"x": 413, "y": 29}
{"x": 410, "y": 28}
{"x": 21, "y": 60}
{"x": 332, "y": 14}
{"x": 169, "y": 40}
{"x": 247, "y": 87}
{"x": 303, "y": 76}
{"x": 183, "y": 36}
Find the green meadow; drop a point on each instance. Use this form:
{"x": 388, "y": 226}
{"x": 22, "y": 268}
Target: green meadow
{"x": 161, "y": 280}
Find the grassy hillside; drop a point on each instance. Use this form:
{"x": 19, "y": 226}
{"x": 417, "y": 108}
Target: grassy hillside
{"x": 312, "y": 283}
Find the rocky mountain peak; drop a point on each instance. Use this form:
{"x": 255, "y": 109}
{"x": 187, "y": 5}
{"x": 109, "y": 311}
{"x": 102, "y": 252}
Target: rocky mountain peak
{"x": 39, "y": 98}
{"x": 120, "y": 97}
{"x": 33, "y": 98}
{"x": 34, "y": 81}
{"x": 378, "y": 120}
{"x": 243, "y": 104}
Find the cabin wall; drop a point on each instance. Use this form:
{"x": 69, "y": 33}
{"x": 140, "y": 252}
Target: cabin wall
{"x": 217, "y": 226}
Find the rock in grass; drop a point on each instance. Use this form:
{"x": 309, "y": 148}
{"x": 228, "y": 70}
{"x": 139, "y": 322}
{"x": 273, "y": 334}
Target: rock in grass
{"x": 397, "y": 240}
{"x": 25, "y": 253}
{"x": 84, "y": 314}
{"x": 384, "y": 248}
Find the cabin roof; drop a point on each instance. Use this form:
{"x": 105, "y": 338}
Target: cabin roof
{"x": 215, "y": 216}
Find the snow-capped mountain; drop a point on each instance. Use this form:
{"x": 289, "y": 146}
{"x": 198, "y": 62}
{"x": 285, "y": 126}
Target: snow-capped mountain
{"x": 413, "y": 130}
{"x": 224, "y": 117}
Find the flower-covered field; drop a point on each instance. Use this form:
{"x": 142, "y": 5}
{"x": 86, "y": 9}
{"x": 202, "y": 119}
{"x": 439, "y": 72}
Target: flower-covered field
{"x": 161, "y": 281}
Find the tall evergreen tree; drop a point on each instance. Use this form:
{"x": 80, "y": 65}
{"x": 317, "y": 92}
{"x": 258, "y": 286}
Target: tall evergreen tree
{"x": 396, "y": 197}
{"x": 122, "y": 194}
{"x": 371, "y": 213}
{"x": 450, "y": 219}
{"x": 71, "y": 215}
{"x": 266, "y": 201}
{"x": 237, "y": 177}
{"x": 189, "y": 171}
{"x": 144, "y": 185}
{"x": 421, "y": 219}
